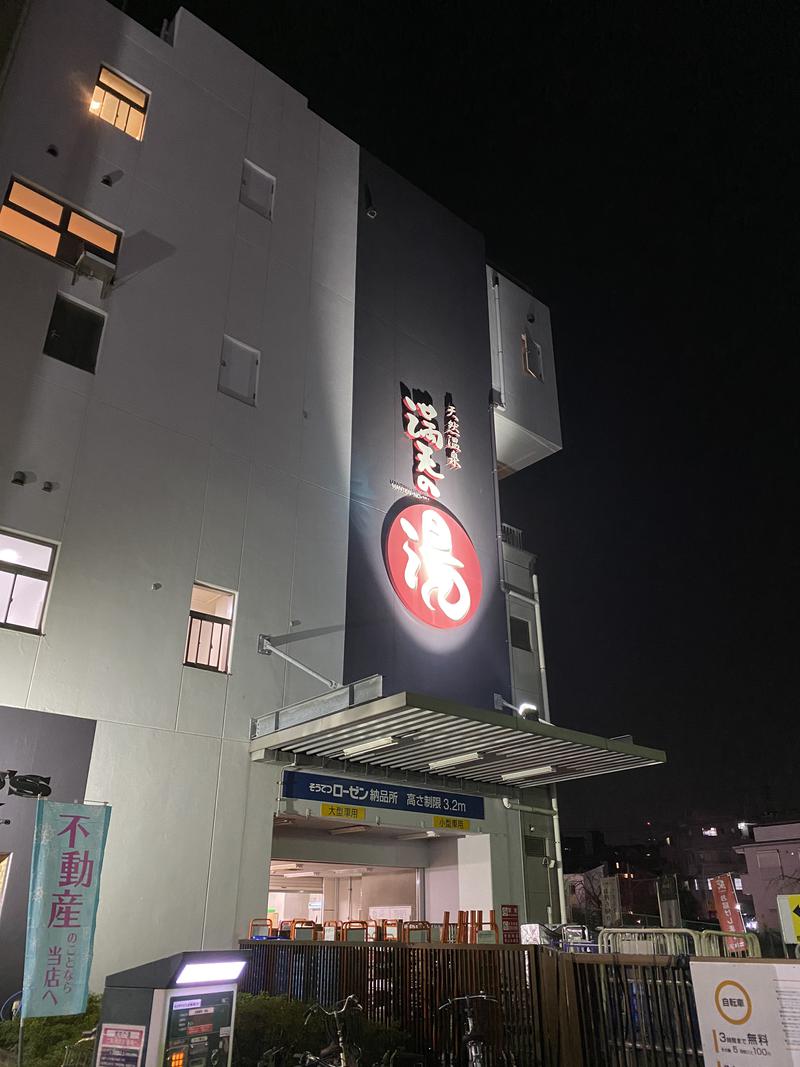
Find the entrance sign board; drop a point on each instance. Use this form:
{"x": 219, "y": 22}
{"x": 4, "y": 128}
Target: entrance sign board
{"x": 68, "y": 845}
{"x": 748, "y": 1012}
{"x": 344, "y": 792}
{"x": 789, "y": 914}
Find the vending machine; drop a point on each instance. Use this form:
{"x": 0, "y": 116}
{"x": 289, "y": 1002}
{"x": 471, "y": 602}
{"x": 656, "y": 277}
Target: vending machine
{"x": 174, "y": 1012}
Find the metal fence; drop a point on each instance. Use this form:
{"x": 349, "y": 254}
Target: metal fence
{"x": 404, "y": 984}
{"x": 556, "y": 1009}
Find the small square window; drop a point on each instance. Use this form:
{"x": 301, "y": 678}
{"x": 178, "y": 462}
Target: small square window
{"x": 532, "y": 361}
{"x": 521, "y": 634}
{"x": 74, "y": 333}
{"x": 208, "y": 641}
{"x": 120, "y": 103}
{"x": 26, "y": 569}
{"x": 238, "y": 370}
{"x": 257, "y": 190}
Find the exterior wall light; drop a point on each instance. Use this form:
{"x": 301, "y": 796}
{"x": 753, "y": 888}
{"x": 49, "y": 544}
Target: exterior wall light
{"x": 370, "y": 746}
{"x": 213, "y": 971}
{"x": 455, "y": 761}
{"x": 530, "y": 772}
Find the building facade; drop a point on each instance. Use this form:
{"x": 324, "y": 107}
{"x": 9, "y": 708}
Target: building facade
{"x": 773, "y": 869}
{"x": 256, "y": 391}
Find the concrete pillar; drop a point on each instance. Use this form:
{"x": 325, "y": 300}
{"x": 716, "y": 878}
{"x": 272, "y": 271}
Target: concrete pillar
{"x": 330, "y": 899}
{"x": 262, "y": 793}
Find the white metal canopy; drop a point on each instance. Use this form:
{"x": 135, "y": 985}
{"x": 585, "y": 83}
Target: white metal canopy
{"x": 411, "y": 732}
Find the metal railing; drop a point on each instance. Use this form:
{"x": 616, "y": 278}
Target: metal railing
{"x": 207, "y": 642}
{"x": 650, "y": 941}
{"x": 513, "y": 536}
{"x": 678, "y": 941}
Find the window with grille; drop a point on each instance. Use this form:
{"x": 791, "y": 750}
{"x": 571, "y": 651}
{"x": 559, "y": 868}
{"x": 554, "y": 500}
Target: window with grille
{"x": 26, "y": 570}
{"x": 208, "y": 641}
{"x": 120, "y": 103}
{"x": 48, "y": 225}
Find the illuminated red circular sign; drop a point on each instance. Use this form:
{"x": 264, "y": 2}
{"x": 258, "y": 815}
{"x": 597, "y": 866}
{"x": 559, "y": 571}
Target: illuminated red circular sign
{"x": 433, "y": 566}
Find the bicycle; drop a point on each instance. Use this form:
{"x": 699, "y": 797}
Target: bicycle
{"x": 474, "y": 1041}
{"x": 341, "y": 1052}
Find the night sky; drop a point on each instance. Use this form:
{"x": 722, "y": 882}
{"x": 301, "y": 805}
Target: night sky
{"x": 636, "y": 166}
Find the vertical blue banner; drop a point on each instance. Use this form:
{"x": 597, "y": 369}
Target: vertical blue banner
{"x": 68, "y": 845}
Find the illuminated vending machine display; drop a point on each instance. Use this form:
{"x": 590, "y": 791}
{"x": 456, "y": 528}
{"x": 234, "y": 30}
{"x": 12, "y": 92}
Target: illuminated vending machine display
{"x": 174, "y": 1012}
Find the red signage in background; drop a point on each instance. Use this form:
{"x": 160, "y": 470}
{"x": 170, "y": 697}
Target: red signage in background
{"x": 728, "y": 912}
{"x": 509, "y": 917}
{"x": 433, "y": 566}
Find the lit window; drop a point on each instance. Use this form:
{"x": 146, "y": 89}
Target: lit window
{"x": 520, "y": 634}
{"x": 26, "y": 568}
{"x": 54, "y": 228}
{"x": 208, "y": 640}
{"x": 709, "y": 831}
{"x": 737, "y": 884}
{"x": 117, "y": 101}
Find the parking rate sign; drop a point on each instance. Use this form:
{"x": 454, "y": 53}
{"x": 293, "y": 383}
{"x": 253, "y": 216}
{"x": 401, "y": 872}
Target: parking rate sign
{"x": 68, "y": 845}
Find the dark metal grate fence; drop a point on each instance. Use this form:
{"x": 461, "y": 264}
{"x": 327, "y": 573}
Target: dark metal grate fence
{"x": 555, "y": 1009}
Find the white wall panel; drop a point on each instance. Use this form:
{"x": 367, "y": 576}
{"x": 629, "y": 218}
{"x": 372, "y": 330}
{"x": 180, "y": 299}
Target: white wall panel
{"x": 279, "y": 424}
{"x": 212, "y": 61}
{"x": 163, "y": 336}
{"x": 318, "y": 589}
{"x": 262, "y": 793}
{"x": 266, "y": 120}
{"x": 39, "y": 434}
{"x": 334, "y": 253}
{"x": 293, "y": 215}
{"x": 328, "y": 404}
{"x": 114, "y": 644}
{"x": 201, "y": 705}
{"x": 161, "y": 788}
{"x": 256, "y": 683}
{"x": 247, "y": 292}
{"x": 224, "y": 513}
{"x": 17, "y": 657}
{"x": 219, "y": 928}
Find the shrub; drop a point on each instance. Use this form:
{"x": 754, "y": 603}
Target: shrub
{"x": 44, "y": 1039}
{"x": 264, "y": 1022}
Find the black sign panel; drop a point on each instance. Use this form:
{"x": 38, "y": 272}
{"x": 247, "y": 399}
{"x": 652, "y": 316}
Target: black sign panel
{"x": 424, "y": 604}
{"x": 41, "y": 755}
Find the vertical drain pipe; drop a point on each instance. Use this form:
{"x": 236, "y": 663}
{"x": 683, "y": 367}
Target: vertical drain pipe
{"x": 562, "y": 898}
{"x": 501, "y": 377}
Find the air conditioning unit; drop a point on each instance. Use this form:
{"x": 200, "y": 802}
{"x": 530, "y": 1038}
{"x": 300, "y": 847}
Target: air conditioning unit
{"x": 90, "y": 265}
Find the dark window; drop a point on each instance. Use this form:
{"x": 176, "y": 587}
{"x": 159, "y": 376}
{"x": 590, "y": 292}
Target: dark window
{"x": 521, "y": 634}
{"x": 535, "y": 846}
{"x": 74, "y": 333}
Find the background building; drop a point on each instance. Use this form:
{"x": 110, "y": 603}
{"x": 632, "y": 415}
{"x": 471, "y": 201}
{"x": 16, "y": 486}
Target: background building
{"x": 256, "y": 392}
